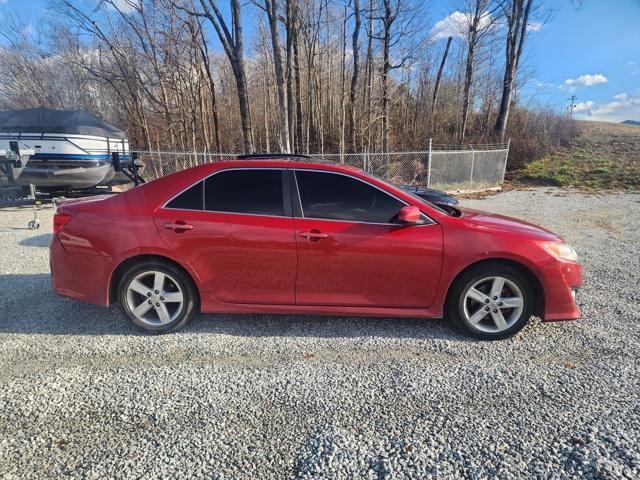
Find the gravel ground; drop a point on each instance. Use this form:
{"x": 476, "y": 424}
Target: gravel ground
{"x": 83, "y": 394}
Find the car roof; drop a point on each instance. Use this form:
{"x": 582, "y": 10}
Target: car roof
{"x": 285, "y": 163}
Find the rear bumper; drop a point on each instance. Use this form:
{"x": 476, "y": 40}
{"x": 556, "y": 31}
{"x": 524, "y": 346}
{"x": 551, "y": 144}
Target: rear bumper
{"x": 83, "y": 277}
{"x": 560, "y": 282}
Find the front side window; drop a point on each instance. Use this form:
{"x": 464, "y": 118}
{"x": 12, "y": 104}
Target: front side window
{"x": 339, "y": 197}
{"x": 257, "y": 192}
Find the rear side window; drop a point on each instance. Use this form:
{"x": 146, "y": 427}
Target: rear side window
{"x": 256, "y": 192}
{"x": 190, "y": 199}
{"x": 339, "y": 197}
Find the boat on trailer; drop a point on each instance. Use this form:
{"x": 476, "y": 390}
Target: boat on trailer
{"x": 72, "y": 149}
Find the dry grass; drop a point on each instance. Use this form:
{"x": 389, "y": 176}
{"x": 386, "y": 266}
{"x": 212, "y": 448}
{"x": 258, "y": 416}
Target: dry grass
{"x": 602, "y": 156}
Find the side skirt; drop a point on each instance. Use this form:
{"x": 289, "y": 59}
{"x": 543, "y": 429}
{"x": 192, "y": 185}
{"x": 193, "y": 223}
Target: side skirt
{"x": 215, "y": 307}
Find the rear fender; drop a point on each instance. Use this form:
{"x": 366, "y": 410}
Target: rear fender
{"x": 146, "y": 253}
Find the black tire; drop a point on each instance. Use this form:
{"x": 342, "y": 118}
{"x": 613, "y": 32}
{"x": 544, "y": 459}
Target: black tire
{"x": 190, "y": 299}
{"x": 456, "y": 300}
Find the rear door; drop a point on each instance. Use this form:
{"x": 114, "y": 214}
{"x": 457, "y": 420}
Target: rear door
{"x": 350, "y": 251}
{"x": 235, "y": 230}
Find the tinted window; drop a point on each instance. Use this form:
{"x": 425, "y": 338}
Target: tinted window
{"x": 245, "y": 191}
{"x": 190, "y": 199}
{"x": 338, "y": 197}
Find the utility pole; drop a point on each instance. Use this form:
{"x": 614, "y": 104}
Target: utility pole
{"x": 572, "y": 105}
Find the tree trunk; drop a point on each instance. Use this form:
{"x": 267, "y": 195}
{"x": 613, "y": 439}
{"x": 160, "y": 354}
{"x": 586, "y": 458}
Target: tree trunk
{"x": 386, "y": 68}
{"x": 245, "y": 112}
{"x": 353, "y": 92}
{"x": 232, "y": 42}
{"x": 517, "y": 23}
{"x": 204, "y": 54}
{"x": 369, "y": 84}
{"x": 468, "y": 78}
{"x": 343, "y": 80}
{"x": 436, "y": 88}
{"x": 272, "y": 14}
{"x": 289, "y": 24}
{"x": 297, "y": 84}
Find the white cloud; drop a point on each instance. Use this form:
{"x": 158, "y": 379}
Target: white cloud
{"x": 457, "y": 25}
{"x": 583, "y": 106}
{"x": 623, "y": 107}
{"x": 586, "y": 80}
{"x": 535, "y": 26}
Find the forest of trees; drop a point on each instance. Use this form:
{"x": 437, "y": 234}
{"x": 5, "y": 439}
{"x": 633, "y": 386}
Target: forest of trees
{"x": 286, "y": 75}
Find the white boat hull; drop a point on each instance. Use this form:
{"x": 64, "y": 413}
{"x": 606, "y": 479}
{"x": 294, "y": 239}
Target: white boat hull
{"x": 67, "y": 160}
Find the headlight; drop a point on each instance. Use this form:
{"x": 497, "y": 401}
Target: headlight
{"x": 562, "y": 251}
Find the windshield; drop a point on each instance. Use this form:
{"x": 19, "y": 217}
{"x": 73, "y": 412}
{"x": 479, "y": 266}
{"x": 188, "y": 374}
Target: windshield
{"x": 411, "y": 194}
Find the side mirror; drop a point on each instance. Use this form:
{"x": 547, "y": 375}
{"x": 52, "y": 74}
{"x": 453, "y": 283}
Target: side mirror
{"x": 410, "y": 215}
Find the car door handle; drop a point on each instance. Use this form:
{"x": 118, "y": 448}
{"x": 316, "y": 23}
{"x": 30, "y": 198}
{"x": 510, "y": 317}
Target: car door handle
{"x": 178, "y": 226}
{"x": 313, "y": 235}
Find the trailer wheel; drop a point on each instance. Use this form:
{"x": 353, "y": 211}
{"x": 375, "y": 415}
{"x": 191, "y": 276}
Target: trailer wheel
{"x": 33, "y": 225}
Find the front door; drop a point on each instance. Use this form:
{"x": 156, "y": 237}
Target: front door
{"x": 351, "y": 253}
{"x": 236, "y": 232}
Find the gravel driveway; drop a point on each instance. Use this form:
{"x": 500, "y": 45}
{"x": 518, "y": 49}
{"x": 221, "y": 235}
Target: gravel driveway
{"x": 255, "y": 396}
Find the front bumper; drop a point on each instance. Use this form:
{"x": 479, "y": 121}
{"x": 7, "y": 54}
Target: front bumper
{"x": 560, "y": 281}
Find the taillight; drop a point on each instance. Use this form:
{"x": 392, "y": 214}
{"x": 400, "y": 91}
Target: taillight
{"x": 59, "y": 221}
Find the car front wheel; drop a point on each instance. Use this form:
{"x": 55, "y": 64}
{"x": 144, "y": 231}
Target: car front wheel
{"x": 491, "y": 301}
{"x": 158, "y": 297}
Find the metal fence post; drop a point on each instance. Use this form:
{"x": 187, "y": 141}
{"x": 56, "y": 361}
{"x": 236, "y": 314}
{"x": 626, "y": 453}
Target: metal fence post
{"x": 506, "y": 157}
{"x": 429, "y": 165}
{"x": 473, "y": 161}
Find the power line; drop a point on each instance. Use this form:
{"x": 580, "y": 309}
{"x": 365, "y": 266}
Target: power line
{"x": 572, "y": 105}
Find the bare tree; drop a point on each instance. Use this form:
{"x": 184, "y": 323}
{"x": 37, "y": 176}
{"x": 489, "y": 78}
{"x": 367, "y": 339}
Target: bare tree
{"x": 293, "y": 27}
{"x": 206, "y": 62}
{"x": 353, "y": 91}
{"x": 479, "y": 22}
{"x": 233, "y": 44}
{"x": 516, "y": 14}
{"x": 272, "y": 9}
{"x": 394, "y": 19}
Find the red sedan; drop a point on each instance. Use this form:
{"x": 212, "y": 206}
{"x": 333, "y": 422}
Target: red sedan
{"x": 282, "y": 236}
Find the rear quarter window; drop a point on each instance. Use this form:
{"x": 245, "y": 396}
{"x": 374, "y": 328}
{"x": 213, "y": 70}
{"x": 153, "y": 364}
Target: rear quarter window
{"x": 190, "y": 199}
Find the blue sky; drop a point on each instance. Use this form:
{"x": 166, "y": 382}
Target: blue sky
{"x": 592, "y": 52}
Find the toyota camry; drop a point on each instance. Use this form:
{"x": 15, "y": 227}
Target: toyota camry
{"x": 290, "y": 236}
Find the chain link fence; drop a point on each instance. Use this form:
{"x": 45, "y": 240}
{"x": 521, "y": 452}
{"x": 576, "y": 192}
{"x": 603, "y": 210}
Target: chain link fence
{"x": 443, "y": 167}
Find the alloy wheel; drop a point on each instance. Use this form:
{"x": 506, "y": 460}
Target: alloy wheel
{"x": 493, "y": 304}
{"x": 155, "y": 298}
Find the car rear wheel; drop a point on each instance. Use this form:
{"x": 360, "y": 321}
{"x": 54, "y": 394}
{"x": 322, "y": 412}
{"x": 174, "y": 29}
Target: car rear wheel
{"x": 491, "y": 301}
{"x": 158, "y": 297}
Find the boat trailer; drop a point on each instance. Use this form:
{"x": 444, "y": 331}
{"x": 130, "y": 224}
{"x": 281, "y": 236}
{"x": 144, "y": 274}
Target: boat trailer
{"x": 13, "y": 161}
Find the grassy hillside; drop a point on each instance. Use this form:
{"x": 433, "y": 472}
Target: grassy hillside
{"x": 603, "y": 155}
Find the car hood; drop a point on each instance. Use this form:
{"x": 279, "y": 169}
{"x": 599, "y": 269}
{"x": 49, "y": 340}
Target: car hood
{"x": 503, "y": 224}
